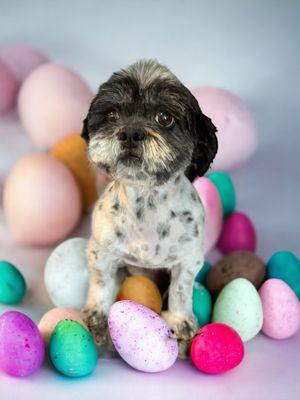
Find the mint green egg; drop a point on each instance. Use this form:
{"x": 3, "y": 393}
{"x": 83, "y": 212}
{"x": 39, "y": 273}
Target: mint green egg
{"x": 202, "y": 304}
{"x": 202, "y": 274}
{"x": 226, "y": 190}
{"x": 72, "y": 349}
{"x": 12, "y": 284}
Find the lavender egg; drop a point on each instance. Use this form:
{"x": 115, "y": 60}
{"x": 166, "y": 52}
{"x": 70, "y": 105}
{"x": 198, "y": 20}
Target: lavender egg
{"x": 141, "y": 337}
{"x": 22, "y": 348}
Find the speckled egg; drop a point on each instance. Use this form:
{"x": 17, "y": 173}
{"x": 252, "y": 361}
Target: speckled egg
{"x": 225, "y": 189}
{"x": 239, "y": 306}
{"x": 8, "y": 89}
{"x": 217, "y": 348}
{"x": 281, "y": 309}
{"x": 141, "y": 337}
{"x": 12, "y": 284}
{"x": 201, "y": 277}
{"x": 72, "y": 349}
{"x": 66, "y": 274}
{"x": 22, "y": 348}
{"x": 202, "y": 304}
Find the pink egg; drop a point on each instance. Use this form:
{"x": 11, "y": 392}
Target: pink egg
{"x": 41, "y": 200}
{"x": 22, "y": 349}
{"x": 49, "y": 320}
{"x": 213, "y": 211}
{"x": 8, "y": 89}
{"x": 53, "y": 102}
{"x": 217, "y": 348}
{"x": 236, "y": 134}
{"x": 238, "y": 233}
{"x": 280, "y": 308}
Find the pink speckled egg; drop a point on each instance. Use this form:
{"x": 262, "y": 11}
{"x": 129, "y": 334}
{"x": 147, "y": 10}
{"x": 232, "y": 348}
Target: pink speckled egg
{"x": 22, "y": 349}
{"x": 211, "y": 201}
{"x": 52, "y": 103}
{"x": 238, "y": 233}
{"x": 280, "y": 308}
{"x": 236, "y": 134}
{"x": 49, "y": 320}
{"x": 8, "y": 88}
{"x": 141, "y": 337}
{"x": 217, "y": 348}
{"x": 41, "y": 200}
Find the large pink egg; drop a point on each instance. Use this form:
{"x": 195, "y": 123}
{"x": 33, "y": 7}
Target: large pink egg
{"x": 281, "y": 309}
{"x": 236, "y": 134}
{"x": 211, "y": 201}
{"x": 8, "y": 88}
{"x": 238, "y": 233}
{"x": 53, "y": 102}
{"x": 41, "y": 200}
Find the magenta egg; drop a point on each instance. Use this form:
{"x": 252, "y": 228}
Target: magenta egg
{"x": 8, "y": 88}
{"x": 238, "y": 233}
{"x": 213, "y": 211}
{"x": 217, "y": 348}
{"x": 22, "y": 348}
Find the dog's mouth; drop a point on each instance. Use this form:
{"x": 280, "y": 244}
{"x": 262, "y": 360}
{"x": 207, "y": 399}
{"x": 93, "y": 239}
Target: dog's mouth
{"x": 128, "y": 157}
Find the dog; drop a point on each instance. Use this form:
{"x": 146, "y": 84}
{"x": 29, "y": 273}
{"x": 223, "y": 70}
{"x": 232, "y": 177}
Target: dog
{"x": 146, "y": 130}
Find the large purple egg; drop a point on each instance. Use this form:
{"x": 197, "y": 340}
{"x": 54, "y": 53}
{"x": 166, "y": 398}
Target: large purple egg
{"x": 8, "y": 88}
{"x": 22, "y": 349}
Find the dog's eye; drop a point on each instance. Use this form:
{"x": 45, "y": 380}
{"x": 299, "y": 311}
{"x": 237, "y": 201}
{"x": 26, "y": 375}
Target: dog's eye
{"x": 112, "y": 116}
{"x": 164, "y": 119}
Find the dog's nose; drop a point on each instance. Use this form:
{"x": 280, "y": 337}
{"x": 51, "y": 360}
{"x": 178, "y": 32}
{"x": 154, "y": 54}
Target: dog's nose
{"x": 129, "y": 139}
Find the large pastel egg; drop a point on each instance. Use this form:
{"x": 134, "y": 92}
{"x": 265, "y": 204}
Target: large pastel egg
{"x": 72, "y": 350}
{"x": 237, "y": 136}
{"x": 141, "y": 337}
{"x": 8, "y": 89}
{"x": 213, "y": 211}
{"x": 202, "y": 304}
{"x": 12, "y": 284}
{"x": 53, "y": 101}
{"x": 239, "y": 306}
{"x": 286, "y": 266}
{"x": 225, "y": 189}
{"x": 238, "y": 233}
{"x": 49, "y": 320}
{"x": 281, "y": 309}
{"x": 41, "y": 200}
{"x": 22, "y": 348}
{"x": 66, "y": 274}
{"x": 201, "y": 276}
{"x": 217, "y": 348}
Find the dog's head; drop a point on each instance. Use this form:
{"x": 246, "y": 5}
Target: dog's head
{"x": 144, "y": 125}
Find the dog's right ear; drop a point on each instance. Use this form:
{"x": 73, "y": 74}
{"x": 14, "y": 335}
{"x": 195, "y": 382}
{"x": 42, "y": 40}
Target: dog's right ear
{"x": 85, "y": 132}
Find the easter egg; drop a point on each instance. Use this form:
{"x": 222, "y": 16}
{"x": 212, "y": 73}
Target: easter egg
{"x": 143, "y": 291}
{"x": 72, "y": 150}
{"x": 225, "y": 189}
{"x": 237, "y": 135}
{"x": 141, "y": 337}
{"x": 213, "y": 211}
{"x": 239, "y": 264}
{"x": 41, "y": 200}
{"x": 286, "y": 266}
{"x": 22, "y": 348}
{"x": 281, "y": 309}
{"x": 72, "y": 349}
{"x": 49, "y": 320}
{"x": 239, "y": 306}
{"x": 8, "y": 89}
{"x": 66, "y": 274}
{"x": 12, "y": 284}
{"x": 52, "y": 103}
{"x": 238, "y": 233}
{"x": 217, "y": 348}
{"x": 201, "y": 304}
{"x": 201, "y": 277}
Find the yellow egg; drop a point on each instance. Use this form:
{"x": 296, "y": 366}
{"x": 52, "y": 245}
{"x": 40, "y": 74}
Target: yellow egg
{"x": 143, "y": 291}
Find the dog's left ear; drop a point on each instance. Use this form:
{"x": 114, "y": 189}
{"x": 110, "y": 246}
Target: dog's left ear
{"x": 85, "y": 132}
{"x": 205, "y": 140}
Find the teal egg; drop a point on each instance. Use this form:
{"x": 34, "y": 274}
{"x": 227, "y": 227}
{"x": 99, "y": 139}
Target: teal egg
{"x": 285, "y": 265}
{"x": 72, "y": 349}
{"x": 226, "y": 190}
{"x": 12, "y": 284}
{"x": 202, "y": 274}
{"x": 202, "y": 304}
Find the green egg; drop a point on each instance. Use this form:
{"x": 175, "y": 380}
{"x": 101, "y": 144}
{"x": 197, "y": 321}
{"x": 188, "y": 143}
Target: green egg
{"x": 12, "y": 284}
{"x": 72, "y": 349}
{"x": 202, "y": 274}
{"x": 226, "y": 190}
{"x": 202, "y": 304}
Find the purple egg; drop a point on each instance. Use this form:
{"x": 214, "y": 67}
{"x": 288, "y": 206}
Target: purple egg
{"x": 8, "y": 88}
{"x": 22, "y": 349}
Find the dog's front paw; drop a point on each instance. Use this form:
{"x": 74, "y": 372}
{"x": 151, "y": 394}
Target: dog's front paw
{"x": 96, "y": 321}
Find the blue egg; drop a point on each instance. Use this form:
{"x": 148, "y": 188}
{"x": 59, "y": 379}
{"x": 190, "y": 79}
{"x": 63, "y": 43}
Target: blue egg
{"x": 12, "y": 284}
{"x": 202, "y": 304}
{"x": 202, "y": 274}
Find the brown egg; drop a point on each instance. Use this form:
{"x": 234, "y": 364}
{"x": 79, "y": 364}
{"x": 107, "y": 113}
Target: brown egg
{"x": 142, "y": 290}
{"x": 71, "y": 150}
{"x": 239, "y": 264}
